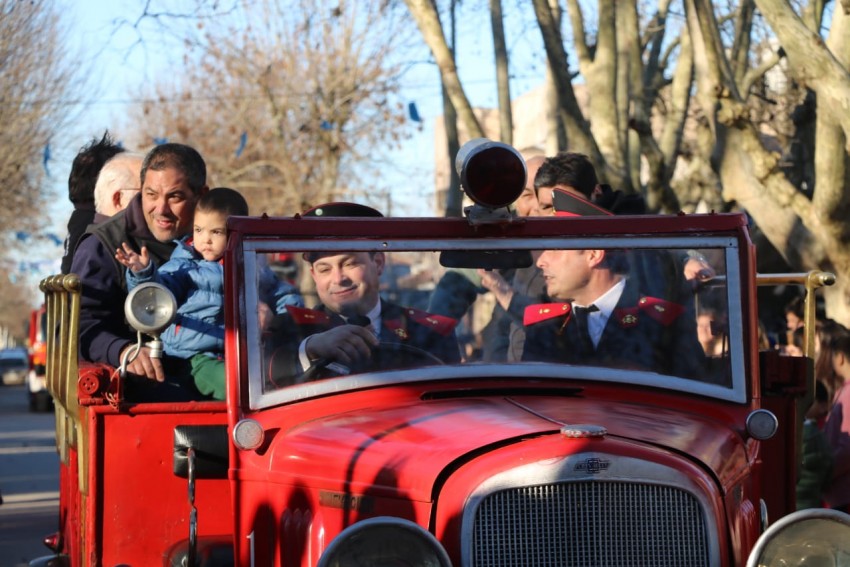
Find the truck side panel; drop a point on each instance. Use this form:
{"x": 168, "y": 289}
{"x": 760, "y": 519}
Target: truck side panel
{"x": 142, "y": 508}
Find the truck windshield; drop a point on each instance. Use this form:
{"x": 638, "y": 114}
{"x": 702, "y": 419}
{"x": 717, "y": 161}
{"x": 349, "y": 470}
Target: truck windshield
{"x": 347, "y": 315}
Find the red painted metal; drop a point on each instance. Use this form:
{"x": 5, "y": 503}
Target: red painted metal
{"x": 415, "y": 450}
{"x": 135, "y": 486}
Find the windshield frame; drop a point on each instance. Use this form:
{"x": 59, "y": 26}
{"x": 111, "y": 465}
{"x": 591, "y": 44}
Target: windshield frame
{"x": 254, "y": 248}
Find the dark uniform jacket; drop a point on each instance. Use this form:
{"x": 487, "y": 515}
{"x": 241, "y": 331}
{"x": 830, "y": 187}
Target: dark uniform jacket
{"x": 81, "y": 217}
{"x": 642, "y": 333}
{"x": 400, "y": 327}
{"x": 103, "y": 331}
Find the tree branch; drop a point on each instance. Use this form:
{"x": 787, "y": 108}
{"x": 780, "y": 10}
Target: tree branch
{"x": 585, "y": 59}
{"x": 426, "y": 17}
{"x": 811, "y": 63}
{"x": 757, "y": 73}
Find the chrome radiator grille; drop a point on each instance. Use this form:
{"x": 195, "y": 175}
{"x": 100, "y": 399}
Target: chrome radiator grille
{"x": 590, "y": 524}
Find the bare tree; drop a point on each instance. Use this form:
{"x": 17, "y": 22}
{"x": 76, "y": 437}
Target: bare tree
{"x": 16, "y": 301}
{"x": 291, "y": 103}
{"x": 428, "y": 19}
{"x": 36, "y": 83}
{"x": 506, "y": 124}
{"x": 454, "y": 196}
{"x": 686, "y": 108}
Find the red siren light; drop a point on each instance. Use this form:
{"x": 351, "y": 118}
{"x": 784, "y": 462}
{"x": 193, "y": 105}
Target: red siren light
{"x": 492, "y": 173}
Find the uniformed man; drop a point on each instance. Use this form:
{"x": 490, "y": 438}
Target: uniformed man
{"x": 599, "y": 316}
{"x": 354, "y": 329}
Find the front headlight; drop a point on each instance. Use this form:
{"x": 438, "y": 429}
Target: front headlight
{"x": 384, "y": 542}
{"x": 150, "y": 307}
{"x": 807, "y": 538}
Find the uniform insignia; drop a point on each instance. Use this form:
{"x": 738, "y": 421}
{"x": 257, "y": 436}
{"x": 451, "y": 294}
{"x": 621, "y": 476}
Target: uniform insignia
{"x": 440, "y": 324}
{"x": 545, "y": 311}
{"x": 397, "y": 327}
{"x": 626, "y": 316}
{"x": 304, "y": 316}
{"x": 663, "y": 311}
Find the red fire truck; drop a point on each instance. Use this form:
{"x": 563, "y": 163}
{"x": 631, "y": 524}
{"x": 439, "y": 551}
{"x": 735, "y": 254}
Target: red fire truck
{"x": 37, "y": 394}
{"x": 416, "y": 458}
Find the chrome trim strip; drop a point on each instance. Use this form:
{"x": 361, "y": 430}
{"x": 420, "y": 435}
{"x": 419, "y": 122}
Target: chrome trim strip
{"x": 530, "y": 371}
{"x": 275, "y": 244}
{"x": 248, "y": 319}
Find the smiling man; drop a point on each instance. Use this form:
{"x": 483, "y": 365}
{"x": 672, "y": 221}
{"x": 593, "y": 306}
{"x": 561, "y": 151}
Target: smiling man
{"x": 173, "y": 178}
{"x": 354, "y": 329}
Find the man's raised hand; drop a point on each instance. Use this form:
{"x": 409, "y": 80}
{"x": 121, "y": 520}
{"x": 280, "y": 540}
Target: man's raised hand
{"x": 130, "y": 259}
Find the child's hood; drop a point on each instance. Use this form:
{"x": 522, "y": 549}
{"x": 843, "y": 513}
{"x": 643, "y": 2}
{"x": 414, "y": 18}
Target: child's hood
{"x": 184, "y": 249}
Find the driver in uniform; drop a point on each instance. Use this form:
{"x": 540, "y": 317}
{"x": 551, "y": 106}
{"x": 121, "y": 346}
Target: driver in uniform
{"x": 354, "y": 329}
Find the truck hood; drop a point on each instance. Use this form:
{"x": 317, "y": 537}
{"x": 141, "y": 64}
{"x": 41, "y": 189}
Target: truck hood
{"x": 406, "y": 447}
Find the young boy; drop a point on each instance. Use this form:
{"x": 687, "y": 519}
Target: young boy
{"x": 195, "y": 274}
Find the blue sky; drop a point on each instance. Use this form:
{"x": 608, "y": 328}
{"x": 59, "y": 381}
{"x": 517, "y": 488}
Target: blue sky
{"x": 120, "y": 65}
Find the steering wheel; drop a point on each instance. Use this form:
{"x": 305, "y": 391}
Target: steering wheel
{"x": 385, "y": 356}
{"x": 393, "y": 355}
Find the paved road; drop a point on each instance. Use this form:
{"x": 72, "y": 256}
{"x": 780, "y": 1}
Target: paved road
{"x": 29, "y": 479}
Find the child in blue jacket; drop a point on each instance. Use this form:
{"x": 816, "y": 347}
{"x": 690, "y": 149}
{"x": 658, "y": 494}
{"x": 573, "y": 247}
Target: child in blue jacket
{"x": 195, "y": 274}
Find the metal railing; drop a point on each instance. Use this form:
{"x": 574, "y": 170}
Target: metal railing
{"x": 62, "y": 308}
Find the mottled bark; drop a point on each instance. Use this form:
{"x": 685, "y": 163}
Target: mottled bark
{"x": 503, "y": 87}
{"x": 428, "y": 20}
{"x": 579, "y": 136}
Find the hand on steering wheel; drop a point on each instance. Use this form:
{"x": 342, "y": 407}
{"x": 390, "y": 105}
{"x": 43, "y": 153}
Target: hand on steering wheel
{"x": 385, "y": 356}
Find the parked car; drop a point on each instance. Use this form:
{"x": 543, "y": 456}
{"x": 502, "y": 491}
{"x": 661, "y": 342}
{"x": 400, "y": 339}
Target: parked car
{"x": 14, "y": 365}
{"x": 418, "y": 458}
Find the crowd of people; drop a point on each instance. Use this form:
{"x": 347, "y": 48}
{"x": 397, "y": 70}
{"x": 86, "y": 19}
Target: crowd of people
{"x": 153, "y": 217}
{"x": 824, "y": 475}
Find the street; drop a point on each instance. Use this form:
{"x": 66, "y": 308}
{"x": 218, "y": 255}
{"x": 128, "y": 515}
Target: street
{"x": 29, "y": 479}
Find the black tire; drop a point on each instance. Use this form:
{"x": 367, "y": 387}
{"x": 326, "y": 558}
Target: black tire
{"x": 41, "y": 402}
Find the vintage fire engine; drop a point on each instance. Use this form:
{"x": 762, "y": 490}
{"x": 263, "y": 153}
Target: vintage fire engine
{"x": 422, "y": 458}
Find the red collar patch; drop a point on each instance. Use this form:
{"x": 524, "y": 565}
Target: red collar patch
{"x": 440, "y": 324}
{"x": 660, "y": 310}
{"x": 304, "y": 316}
{"x": 663, "y": 311}
{"x": 545, "y": 311}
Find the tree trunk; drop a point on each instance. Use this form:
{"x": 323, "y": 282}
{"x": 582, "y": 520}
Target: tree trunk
{"x": 503, "y": 86}
{"x": 810, "y": 61}
{"x": 556, "y": 134}
{"x": 428, "y": 20}
{"x": 579, "y": 136}
{"x": 454, "y": 195}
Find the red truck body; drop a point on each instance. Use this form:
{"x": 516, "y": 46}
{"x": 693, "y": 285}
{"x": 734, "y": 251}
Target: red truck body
{"x": 471, "y": 464}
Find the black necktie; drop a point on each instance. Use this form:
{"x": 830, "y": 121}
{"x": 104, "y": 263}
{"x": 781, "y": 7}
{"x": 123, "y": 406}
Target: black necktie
{"x": 359, "y": 320}
{"x": 580, "y": 314}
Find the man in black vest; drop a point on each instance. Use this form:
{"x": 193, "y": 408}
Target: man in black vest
{"x": 173, "y": 178}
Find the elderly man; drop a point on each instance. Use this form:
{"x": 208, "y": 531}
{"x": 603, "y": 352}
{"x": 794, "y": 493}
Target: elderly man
{"x": 354, "y": 329}
{"x": 117, "y": 184}
{"x": 173, "y": 177}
